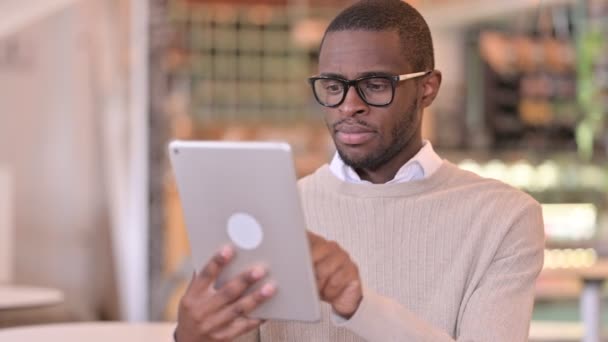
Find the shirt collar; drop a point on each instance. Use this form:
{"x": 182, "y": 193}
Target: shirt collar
{"x": 422, "y": 165}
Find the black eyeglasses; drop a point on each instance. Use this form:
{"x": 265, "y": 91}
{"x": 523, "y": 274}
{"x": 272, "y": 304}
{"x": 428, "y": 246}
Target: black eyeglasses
{"x": 377, "y": 91}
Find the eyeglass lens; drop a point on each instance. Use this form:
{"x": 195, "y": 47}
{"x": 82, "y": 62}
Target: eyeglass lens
{"x": 374, "y": 90}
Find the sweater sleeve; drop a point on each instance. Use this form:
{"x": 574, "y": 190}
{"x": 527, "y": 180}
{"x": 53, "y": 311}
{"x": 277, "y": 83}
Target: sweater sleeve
{"x": 252, "y": 336}
{"x": 381, "y": 318}
{"x": 499, "y": 309}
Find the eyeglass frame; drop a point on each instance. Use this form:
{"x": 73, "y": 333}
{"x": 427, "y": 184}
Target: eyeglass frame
{"x": 349, "y": 83}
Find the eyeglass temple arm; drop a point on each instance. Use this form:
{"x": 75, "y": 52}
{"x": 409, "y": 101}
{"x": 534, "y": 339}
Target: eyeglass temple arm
{"x": 414, "y": 75}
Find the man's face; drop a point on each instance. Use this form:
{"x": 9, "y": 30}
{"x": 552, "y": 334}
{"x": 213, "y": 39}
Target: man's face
{"x": 365, "y": 136}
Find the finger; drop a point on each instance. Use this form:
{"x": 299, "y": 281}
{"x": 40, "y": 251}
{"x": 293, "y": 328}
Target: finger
{"x": 191, "y": 281}
{"x": 209, "y": 273}
{"x": 320, "y": 251}
{"x": 242, "y": 307}
{"x": 337, "y": 282}
{"x": 313, "y": 238}
{"x": 235, "y": 288}
{"x": 236, "y": 328}
{"x": 189, "y": 300}
{"x": 328, "y": 266}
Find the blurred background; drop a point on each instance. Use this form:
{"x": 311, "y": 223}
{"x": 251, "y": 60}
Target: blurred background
{"x": 92, "y": 91}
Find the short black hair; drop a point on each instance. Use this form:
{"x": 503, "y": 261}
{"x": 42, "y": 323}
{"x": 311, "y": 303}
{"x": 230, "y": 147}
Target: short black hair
{"x": 391, "y": 15}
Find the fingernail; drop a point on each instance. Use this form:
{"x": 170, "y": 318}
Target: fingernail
{"x": 258, "y": 272}
{"x": 226, "y": 252}
{"x": 268, "y": 290}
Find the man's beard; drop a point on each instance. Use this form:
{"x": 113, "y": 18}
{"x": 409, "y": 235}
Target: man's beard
{"x": 401, "y": 135}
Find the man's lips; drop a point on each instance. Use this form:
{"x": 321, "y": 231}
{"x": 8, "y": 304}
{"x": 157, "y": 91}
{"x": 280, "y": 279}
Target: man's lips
{"x": 353, "y": 134}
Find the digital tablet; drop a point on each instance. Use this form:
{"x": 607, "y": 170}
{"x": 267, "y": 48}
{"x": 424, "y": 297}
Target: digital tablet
{"x": 245, "y": 194}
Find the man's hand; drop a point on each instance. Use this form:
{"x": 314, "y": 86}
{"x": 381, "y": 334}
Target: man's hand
{"x": 206, "y": 314}
{"x": 337, "y": 276}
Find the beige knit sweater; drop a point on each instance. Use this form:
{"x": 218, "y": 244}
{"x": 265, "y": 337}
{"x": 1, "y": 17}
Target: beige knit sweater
{"x": 450, "y": 257}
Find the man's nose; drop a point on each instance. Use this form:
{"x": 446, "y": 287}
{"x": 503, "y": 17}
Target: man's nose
{"x": 353, "y": 104}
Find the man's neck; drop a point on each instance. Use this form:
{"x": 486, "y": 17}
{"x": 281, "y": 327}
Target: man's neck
{"x": 388, "y": 170}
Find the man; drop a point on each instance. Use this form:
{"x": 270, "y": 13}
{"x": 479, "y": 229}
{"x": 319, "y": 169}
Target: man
{"x": 407, "y": 247}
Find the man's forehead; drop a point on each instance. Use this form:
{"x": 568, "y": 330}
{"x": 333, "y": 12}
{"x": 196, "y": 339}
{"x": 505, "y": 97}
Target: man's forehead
{"x": 351, "y": 52}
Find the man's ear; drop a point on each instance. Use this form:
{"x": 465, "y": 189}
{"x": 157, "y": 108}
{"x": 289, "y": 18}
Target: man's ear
{"x": 431, "y": 85}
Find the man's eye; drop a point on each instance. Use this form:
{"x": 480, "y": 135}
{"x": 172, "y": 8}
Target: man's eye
{"x": 333, "y": 87}
{"x": 377, "y": 85}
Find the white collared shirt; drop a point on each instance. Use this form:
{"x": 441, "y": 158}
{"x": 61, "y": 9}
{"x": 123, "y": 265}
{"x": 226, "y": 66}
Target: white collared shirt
{"x": 422, "y": 165}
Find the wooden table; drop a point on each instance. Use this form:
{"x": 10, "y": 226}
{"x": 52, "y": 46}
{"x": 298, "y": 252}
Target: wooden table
{"x": 91, "y": 332}
{"x": 593, "y": 279}
{"x": 22, "y": 297}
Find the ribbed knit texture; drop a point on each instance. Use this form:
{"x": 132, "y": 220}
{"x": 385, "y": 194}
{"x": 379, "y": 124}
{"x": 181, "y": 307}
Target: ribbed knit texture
{"x": 453, "y": 256}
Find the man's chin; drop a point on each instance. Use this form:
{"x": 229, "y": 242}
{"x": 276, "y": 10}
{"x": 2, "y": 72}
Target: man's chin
{"x": 354, "y": 160}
